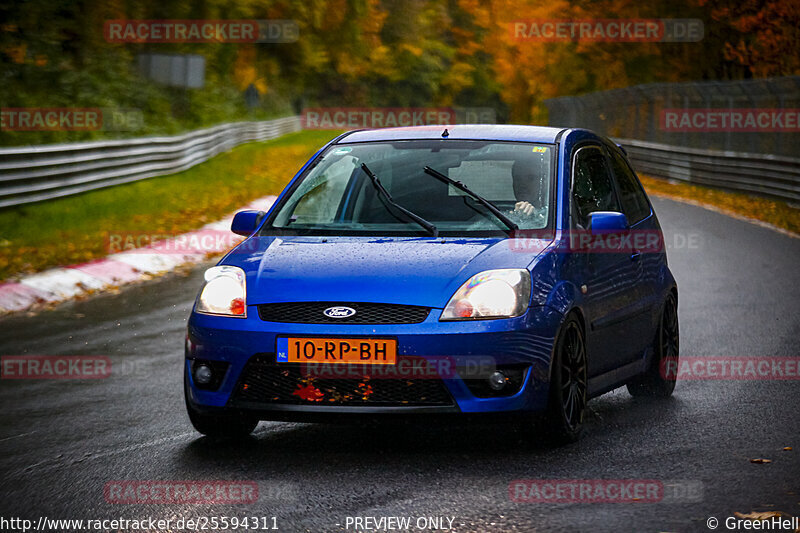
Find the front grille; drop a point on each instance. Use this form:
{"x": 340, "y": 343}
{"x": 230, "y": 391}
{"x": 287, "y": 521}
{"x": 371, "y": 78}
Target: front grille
{"x": 265, "y": 381}
{"x": 365, "y": 313}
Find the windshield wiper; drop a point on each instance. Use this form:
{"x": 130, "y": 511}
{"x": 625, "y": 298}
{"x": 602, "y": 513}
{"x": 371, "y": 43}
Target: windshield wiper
{"x": 486, "y": 203}
{"x": 388, "y": 197}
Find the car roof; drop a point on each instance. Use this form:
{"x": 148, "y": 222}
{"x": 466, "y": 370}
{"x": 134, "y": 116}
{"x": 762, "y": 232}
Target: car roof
{"x": 492, "y": 132}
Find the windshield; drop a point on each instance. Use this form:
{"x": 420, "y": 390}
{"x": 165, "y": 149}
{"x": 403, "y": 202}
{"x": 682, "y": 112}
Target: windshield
{"x": 337, "y": 197}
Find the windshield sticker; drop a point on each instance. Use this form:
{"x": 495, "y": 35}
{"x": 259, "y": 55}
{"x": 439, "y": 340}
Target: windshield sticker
{"x": 539, "y": 149}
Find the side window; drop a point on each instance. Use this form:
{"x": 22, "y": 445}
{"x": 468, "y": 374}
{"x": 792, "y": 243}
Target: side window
{"x": 592, "y": 188}
{"x": 631, "y": 196}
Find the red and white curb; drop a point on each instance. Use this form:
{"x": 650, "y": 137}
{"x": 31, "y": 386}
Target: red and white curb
{"x": 65, "y": 283}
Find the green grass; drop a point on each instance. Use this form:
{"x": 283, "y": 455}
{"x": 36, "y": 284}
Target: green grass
{"x": 75, "y": 229}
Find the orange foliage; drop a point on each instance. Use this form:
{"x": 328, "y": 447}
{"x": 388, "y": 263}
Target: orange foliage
{"x": 769, "y": 44}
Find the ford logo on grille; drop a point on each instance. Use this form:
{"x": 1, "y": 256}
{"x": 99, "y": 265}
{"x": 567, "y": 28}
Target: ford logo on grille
{"x": 339, "y": 312}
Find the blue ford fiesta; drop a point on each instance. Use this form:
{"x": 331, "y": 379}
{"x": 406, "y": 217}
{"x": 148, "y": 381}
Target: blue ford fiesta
{"x": 438, "y": 270}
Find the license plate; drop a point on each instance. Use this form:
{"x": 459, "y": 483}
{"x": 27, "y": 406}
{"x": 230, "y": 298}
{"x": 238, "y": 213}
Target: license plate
{"x": 348, "y": 351}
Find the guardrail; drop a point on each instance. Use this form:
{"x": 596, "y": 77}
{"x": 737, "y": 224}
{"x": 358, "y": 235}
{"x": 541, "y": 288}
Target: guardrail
{"x": 33, "y": 174}
{"x": 36, "y": 173}
{"x": 763, "y": 174}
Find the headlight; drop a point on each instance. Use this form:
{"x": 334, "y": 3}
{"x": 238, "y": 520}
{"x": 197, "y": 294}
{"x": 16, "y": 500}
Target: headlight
{"x": 491, "y": 294}
{"x": 224, "y": 292}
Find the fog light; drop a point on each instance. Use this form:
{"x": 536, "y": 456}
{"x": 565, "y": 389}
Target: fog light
{"x": 202, "y": 375}
{"x": 497, "y": 380}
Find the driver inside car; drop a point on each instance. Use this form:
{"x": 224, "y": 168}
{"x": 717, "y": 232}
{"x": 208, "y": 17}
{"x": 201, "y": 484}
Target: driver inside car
{"x": 527, "y": 189}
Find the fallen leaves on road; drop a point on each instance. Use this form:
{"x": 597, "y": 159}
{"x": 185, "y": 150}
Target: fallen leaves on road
{"x": 787, "y": 448}
{"x": 760, "y": 461}
{"x": 760, "y": 516}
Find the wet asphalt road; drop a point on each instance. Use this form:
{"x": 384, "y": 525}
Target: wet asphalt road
{"x": 62, "y": 441}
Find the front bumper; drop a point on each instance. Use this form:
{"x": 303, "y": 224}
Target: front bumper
{"x": 525, "y": 341}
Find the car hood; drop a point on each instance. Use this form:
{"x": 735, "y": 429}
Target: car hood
{"x": 401, "y": 270}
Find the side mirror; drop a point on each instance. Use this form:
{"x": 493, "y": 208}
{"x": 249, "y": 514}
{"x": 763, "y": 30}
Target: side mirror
{"x": 607, "y": 221}
{"x": 246, "y": 222}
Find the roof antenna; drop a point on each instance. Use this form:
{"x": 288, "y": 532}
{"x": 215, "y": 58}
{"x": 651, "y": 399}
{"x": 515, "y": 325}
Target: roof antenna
{"x": 445, "y": 133}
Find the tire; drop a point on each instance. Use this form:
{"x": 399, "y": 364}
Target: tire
{"x": 656, "y": 382}
{"x": 568, "y": 384}
{"x": 224, "y": 426}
